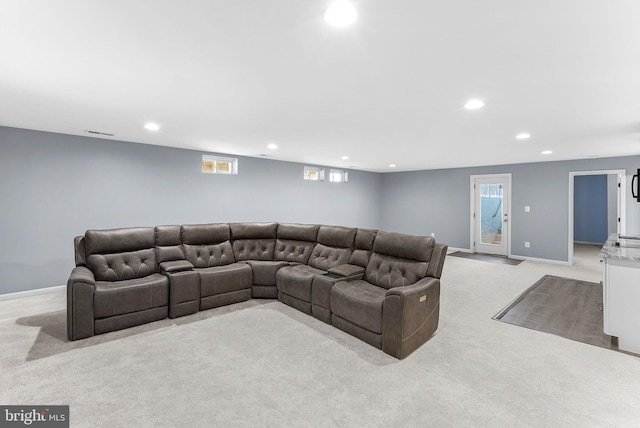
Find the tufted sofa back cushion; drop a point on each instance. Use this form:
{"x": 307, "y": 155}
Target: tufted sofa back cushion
{"x": 295, "y": 242}
{"x": 168, "y": 243}
{"x": 334, "y": 247}
{"x": 120, "y": 254}
{"x": 254, "y": 249}
{"x": 204, "y": 256}
{"x": 398, "y": 259}
{"x": 363, "y": 247}
{"x": 388, "y": 272}
{"x": 207, "y": 245}
{"x": 121, "y": 266}
{"x": 323, "y": 257}
{"x": 253, "y": 241}
{"x": 293, "y": 251}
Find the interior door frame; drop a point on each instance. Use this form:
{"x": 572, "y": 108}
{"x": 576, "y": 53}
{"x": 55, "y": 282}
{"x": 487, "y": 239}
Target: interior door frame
{"x": 506, "y": 209}
{"x": 622, "y": 203}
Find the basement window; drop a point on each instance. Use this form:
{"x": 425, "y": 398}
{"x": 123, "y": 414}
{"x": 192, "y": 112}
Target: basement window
{"x": 338, "y": 176}
{"x": 219, "y": 165}
{"x": 312, "y": 173}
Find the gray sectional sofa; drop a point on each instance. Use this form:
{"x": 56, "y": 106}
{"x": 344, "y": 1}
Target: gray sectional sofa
{"x": 381, "y": 287}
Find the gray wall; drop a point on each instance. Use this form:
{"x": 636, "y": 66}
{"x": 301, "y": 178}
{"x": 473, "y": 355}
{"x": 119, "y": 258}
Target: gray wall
{"x": 437, "y": 201}
{"x": 54, "y": 187}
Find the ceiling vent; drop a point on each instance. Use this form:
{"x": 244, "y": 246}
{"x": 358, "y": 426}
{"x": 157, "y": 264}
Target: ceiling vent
{"x": 89, "y": 131}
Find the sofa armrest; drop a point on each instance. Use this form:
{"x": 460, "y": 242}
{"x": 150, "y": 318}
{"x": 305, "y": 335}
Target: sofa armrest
{"x": 346, "y": 270}
{"x": 175, "y": 266}
{"x": 437, "y": 261}
{"x": 410, "y": 316}
{"x": 80, "y": 288}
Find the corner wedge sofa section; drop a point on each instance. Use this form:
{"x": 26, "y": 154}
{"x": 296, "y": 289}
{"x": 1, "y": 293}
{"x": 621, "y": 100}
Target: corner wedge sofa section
{"x": 255, "y": 245}
{"x": 381, "y": 287}
{"x": 307, "y": 287}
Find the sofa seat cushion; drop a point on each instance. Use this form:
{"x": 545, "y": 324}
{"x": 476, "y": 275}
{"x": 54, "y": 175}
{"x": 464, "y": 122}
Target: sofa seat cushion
{"x": 296, "y": 281}
{"x": 360, "y": 303}
{"x": 131, "y": 295}
{"x": 264, "y": 272}
{"x": 224, "y": 279}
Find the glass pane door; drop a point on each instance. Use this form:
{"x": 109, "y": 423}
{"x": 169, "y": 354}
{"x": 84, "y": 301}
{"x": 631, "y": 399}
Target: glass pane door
{"x": 491, "y": 214}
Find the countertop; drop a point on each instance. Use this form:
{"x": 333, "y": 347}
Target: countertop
{"x": 629, "y": 249}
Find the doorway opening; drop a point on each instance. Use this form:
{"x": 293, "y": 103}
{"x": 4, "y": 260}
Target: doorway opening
{"x": 597, "y": 206}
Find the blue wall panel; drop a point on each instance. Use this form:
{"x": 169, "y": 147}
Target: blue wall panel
{"x": 590, "y": 223}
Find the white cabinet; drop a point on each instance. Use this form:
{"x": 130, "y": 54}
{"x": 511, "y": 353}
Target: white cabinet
{"x": 621, "y": 302}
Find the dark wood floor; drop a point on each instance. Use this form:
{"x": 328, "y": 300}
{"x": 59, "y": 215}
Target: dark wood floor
{"x": 561, "y": 306}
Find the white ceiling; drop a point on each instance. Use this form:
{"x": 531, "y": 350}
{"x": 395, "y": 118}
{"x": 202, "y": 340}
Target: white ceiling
{"x": 231, "y": 76}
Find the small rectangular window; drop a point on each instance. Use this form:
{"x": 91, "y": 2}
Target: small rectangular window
{"x": 219, "y": 165}
{"x": 313, "y": 174}
{"x": 338, "y": 176}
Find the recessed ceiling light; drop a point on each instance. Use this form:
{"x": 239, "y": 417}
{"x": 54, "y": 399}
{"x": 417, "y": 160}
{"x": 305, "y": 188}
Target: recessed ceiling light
{"x": 392, "y": 165}
{"x": 547, "y": 152}
{"x": 345, "y": 158}
{"x": 340, "y": 14}
{"x": 272, "y": 146}
{"x": 474, "y": 104}
{"x": 152, "y": 126}
{"x": 523, "y": 136}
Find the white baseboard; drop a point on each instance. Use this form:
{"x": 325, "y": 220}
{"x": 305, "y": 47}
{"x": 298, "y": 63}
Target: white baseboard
{"x": 534, "y": 259}
{"x": 454, "y": 249}
{"x": 28, "y": 293}
{"x": 600, "y": 244}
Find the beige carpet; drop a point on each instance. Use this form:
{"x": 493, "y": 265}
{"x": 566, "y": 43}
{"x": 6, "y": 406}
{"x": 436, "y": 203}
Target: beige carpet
{"x": 261, "y": 363}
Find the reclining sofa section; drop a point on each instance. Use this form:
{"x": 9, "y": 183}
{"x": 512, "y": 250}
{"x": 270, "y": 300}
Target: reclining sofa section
{"x": 381, "y": 287}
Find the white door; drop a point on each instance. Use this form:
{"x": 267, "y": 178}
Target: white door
{"x": 491, "y": 214}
